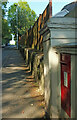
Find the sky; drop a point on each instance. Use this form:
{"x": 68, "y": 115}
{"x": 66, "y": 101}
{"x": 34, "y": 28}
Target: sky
{"x": 39, "y": 5}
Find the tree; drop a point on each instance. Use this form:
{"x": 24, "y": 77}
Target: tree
{"x": 4, "y": 9}
{"x": 22, "y": 19}
{"x": 6, "y": 33}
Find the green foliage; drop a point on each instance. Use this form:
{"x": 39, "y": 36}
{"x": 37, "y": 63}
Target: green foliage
{"x": 3, "y": 9}
{"x": 6, "y": 33}
{"x": 22, "y": 19}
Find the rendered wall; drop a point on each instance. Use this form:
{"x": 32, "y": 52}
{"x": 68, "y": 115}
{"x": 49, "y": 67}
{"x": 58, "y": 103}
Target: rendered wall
{"x": 57, "y": 32}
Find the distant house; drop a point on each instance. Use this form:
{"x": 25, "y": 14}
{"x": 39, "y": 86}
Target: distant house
{"x": 12, "y": 42}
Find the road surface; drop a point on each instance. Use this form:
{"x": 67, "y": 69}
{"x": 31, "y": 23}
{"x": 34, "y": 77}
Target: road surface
{"x": 21, "y": 97}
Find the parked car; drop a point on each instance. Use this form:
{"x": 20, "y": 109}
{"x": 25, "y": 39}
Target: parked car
{"x": 3, "y": 45}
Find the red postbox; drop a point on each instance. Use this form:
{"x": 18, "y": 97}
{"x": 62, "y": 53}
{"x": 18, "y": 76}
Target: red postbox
{"x": 66, "y": 83}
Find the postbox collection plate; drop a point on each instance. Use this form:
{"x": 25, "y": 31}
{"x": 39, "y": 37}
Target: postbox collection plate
{"x": 65, "y": 79}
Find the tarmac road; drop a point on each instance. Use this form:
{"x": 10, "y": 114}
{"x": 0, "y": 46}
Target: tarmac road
{"x": 21, "y": 97}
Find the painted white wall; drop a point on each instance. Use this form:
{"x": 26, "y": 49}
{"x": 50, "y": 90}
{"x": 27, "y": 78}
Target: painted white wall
{"x": 60, "y": 31}
{"x": 63, "y": 31}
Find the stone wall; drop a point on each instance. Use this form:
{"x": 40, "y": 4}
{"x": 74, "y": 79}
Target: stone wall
{"x": 34, "y": 59}
{"x": 38, "y": 70}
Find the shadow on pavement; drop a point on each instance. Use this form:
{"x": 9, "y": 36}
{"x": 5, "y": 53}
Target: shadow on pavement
{"x": 21, "y": 97}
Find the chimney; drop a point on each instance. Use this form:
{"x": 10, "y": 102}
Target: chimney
{"x": 50, "y": 8}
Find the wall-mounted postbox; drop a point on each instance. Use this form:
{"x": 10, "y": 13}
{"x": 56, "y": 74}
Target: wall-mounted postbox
{"x": 60, "y": 38}
{"x": 66, "y": 83}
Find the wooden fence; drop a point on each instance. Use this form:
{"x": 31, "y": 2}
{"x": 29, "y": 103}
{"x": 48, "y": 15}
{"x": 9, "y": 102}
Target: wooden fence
{"x": 32, "y": 38}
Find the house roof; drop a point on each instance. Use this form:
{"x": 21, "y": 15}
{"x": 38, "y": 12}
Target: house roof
{"x": 70, "y": 6}
{"x": 61, "y": 13}
{"x": 66, "y": 9}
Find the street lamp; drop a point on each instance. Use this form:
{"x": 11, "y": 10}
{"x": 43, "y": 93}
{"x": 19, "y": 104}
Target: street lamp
{"x": 17, "y": 22}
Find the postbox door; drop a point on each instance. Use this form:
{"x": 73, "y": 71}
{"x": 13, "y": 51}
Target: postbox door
{"x": 66, "y": 83}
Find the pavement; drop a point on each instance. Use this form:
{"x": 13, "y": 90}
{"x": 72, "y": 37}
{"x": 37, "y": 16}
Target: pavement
{"x": 21, "y": 97}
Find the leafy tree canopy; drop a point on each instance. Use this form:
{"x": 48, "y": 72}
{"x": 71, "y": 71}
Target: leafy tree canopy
{"x": 4, "y": 9}
{"x": 21, "y": 17}
{"x": 6, "y": 33}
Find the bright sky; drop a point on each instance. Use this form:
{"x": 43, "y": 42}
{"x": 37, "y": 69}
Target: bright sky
{"x": 39, "y": 5}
